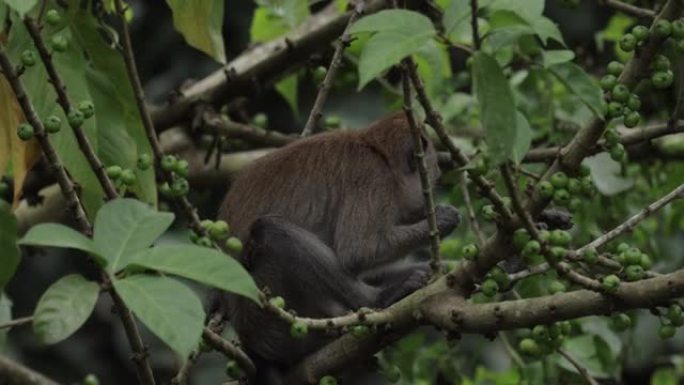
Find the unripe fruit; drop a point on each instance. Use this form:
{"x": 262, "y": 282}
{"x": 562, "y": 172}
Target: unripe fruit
{"x": 278, "y": 302}
{"x": 678, "y": 29}
{"x": 676, "y": 315}
{"x": 332, "y": 121}
{"x": 590, "y": 255}
{"x": 561, "y": 197}
{"x": 470, "y": 251}
{"x": 634, "y": 272}
{"x": 662, "y": 79}
{"x": 234, "y": 245}
{"x": 618, "y": 153}
{"x": 633, "y": 256}
{"x": 219, "y": 230}
{"x": 28, "y": 58}
{"x": 182, "y": 168}
{"x": 557, "y": 253}
{"x": 620, "y": 93}
{"x": 545, "y": 189}
{"x": 615, "y": 68}
{"x": 663, "y": 28}
{"x": 52, "y": 17}
{"x": 633, "y": 102}
{"x": 540, "y": 333}
{"x": 557, "y": 287}
{"x": 25, "y": 131}
{"x": 611, "y": 283}
{"x": 666, "y": 331}
{"x": 128, "y": 177}
{"x": 233, "y": 370}
{"x": 640, "y": 32}
{"x": 660, "y": 63}
{"x": 204, "y": 242}
{"x": 488, "y": 212}
{"x": 529, "y": 347}
{"x": 499, "y": 275}
{"x": 327, "y": 380}
{"x": 319, "y": 73}
{"x": 87, "y": 108}
{"x": 75, "y": 118}
{"x": 532, "y": 247}
{"x": 559, "y": 179}
{"x": 560, "y": 238}
{"x": 645, "y": 261}
{"x": 144, "y": 162}
{"x": 608, "y": 82}
{"x": 622, "y": 247}
{"x": 59, "y": 43}
{"x": 114, "y": 172}
{"x": 52, "y": 124}
{"x": 588, "y": 188}
{"x": 260, "y": 120}
{"x": 620, "y": 322}
{"x": 392, "y": 373}
{"x": 168, "y": 163}
{"x": 628, "y": 42}
{"x": 299, "y": 329}
{"x": 91, "y": 379}
{"x": 489, "y": 287}
{"x": 180, "y": 187}
{"x": 360, "y": 331}
{"x": 520, "y": 238}
{"x": 574, "y": 186}
{"x": 615, "y": 109}
{"x": 544, "y": 235}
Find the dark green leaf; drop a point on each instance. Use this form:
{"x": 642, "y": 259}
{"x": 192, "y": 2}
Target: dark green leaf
{"x": 523, "y": 138}
{"x": 21, "y": 6}
{"x": 582, "y": 85}
{"x": 168, "y": 308}
{"x": 496, "y": 105}
{"x": 583, "y": 350}
{"x": 9, "y": 253}
{"x": 64, "y": 307}
{"x": 552, "y": 57}
{"x": 124, "y": 227}
{"x": 287, "y": 88}
{"x": 201, "y": 24}
{"x": 56, "y": 235}
{"x": 664, "y": 376}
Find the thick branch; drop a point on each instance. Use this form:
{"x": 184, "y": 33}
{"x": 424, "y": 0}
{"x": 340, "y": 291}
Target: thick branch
{"x": 13, "y": 373}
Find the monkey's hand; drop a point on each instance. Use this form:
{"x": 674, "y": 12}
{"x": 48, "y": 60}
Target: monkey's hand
{"x": 414, "y": 279}
{"x": 448, "y": 218}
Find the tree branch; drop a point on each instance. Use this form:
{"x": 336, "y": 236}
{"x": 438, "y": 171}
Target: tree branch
{"x": 13, "y": 373}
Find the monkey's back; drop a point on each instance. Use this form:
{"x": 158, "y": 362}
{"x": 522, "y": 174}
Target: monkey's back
{"x": 319, "y": 183}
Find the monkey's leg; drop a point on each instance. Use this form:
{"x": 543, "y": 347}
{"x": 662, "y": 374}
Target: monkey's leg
{"x": 296, "y": 264}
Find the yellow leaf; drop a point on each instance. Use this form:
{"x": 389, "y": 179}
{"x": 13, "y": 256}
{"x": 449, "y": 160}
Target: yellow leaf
{"x": 22, "y": 155}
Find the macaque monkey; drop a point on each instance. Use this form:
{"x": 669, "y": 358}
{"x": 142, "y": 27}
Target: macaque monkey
{"x": 326, "y": 223}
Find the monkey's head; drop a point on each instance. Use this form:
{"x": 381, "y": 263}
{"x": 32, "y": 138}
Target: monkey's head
{"x": 392, "y": 139}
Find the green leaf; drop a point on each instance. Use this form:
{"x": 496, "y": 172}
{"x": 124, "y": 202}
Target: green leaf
{"x": 456, "y": 14}
{"x": 201, "y": 264}
{"x": 121, "y": 136}
{"x": 584, "y": 349}
{"x": 201, "y": 23}
{"x": 606, "y": 174}
{"x": 64, "y": 307}
{"x": 664, "y": 376}
{"x": 21, "y": 6}
{"x": 168, "y": 308}
{"x": 523, "y": 138}
{"x": 287, "y": 88}
{"x": 497, "y": 107}
{"x": 432, "y": 61}
{"x": 124, "y": 227}
{"x": 9, "y": 253}
{"x": 56, "y": 235}
{"x": 530, "y": 11}
{"x": 399, "y": 33}
{"x": 266, "y": 25}
{"x": 584, "y": 86}
{"x": 558, "y": 56}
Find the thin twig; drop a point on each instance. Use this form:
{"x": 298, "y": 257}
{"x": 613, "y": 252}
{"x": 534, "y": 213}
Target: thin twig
{"x": 65, "y": 183}
{"x": 629, "y": 8}
{"x": 15, "y": 322}
{"x": 677, "y": 193}
{"x": 342, "y": 43}
{"x": 422, "y": 169}
{"x": 230, "y": 351}
{"x": 129, "y": 59}
{"x": 472, "y": 218}
{"x": 433, "y": 118}
{"x": 677, "y": 110}
{"x": 473, "y": 24}
{"x": 220, "y": 125}
{"x": 63, "y": 100}
{"x": 580, "y": 368}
